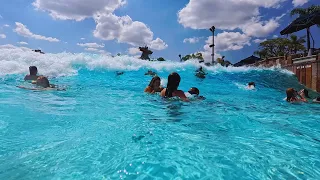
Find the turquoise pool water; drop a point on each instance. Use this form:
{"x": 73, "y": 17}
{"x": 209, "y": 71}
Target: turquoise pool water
{"x": 105, "y": 127}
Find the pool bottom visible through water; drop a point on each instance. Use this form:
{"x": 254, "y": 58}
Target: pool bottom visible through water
{"x": 105, "y": 127}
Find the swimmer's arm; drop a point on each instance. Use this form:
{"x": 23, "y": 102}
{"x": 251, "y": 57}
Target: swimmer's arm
{"x": 182, "y": 96}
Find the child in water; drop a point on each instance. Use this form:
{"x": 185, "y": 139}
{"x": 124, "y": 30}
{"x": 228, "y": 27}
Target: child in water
{"x": 251, "y": 85}
{"x": 154, "y": 85}
{"x": 194, "y": 93}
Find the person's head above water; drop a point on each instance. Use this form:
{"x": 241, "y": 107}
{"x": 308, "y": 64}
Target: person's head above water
{"x": 173, "y": 83}
{"x": 43, "y": 82}
{"x": 194, "y": 90}
{"x": 155, "y": 82}
{"x": 252, "y": 84}
{"x": 291, "y": 93}
{"x": 33, "y": 70}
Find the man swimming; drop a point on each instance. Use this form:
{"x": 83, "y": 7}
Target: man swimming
{"x": 43, "y": 84}
{"x": 33, "y": 74}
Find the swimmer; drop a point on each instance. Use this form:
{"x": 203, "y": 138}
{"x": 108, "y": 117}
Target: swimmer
{"x": 43, "y": 84}
{"x": 150, "y": 73}
{"x": 119, "y": 73}
{"x": 154, "y": 85}
{"x": 294, "y": 96}
{"x": 172, "y": 88}
{"x": 194, "y": 92}
{"x": 33, "y": 74}
{"x": 251, "y": 85}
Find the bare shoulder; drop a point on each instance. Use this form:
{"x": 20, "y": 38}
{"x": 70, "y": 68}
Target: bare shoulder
{"x": 163, "y": 92}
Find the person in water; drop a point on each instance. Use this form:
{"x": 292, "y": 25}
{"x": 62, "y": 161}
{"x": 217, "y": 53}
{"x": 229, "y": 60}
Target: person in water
{"x": 33, "y": 74}
{"x": 118, "y": 73}
{"x": 200, "y": 73}
{"x": 251, "y": 85}
{"x": 172, "y": 88}
{"x": 194, "y": 92}
{"x": 294, "y": 96}
{"x": 150, "y": 73}
{"x": 154, "y": 85}
{"x": 43, "y": 84}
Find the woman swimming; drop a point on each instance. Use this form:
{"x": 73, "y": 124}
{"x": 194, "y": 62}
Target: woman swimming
{"x": 294, "y": 96}
{"x": 154, "y": 85}
{"x": 172, "y": 88}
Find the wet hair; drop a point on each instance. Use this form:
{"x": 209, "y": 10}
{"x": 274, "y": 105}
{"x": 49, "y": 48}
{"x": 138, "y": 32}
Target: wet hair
{"x": 306, "y": 93}
{"x": 252, "y": 84}
{"x": 194, "y": 90}
{"x": 290, "y": 94}
{"x": 43, "y": 81}
{"x": 173, "y": 83}
{"x": 154, "y": 79}
{"x": 33, "y": 70}
{"x": 318, "y": 98}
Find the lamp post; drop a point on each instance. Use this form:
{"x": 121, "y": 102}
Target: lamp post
{"x": 212, "y": 29}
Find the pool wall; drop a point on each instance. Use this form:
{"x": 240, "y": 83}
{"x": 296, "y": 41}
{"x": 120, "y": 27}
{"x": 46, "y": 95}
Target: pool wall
{"x": 307, "y": 69}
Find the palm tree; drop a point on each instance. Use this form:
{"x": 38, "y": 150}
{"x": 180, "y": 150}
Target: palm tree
{"x": 304, "y": 12}
{"x": 296, "y": 44}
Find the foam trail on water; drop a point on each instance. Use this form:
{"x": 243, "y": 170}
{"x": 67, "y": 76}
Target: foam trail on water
{"x": 16, "y": 60}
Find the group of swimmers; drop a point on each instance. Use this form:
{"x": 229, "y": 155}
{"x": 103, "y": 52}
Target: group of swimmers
{"x": 301, "y": 96}
{"x": 170, "y": 91}
{"x": 172, "y": 88}
{"x": 42, "y": 82}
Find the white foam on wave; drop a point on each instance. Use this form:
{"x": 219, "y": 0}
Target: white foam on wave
{"x": 16, "y": 60}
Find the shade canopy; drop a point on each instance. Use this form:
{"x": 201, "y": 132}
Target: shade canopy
{"x": 302, "y": 22}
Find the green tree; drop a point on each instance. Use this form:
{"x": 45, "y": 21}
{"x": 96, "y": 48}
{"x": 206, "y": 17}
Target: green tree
{"x": 161, "y": 59}
{"x": 304, "y": 12}
{"x": 296, "y": 44}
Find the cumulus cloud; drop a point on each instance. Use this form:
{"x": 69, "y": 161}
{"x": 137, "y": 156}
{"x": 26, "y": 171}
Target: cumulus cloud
{"x": 297, "y": 3}
{"x": 108, "y": 25}
{"x": 22, "y": 30}
{"x": 225, "y": 41}
{"x": 97, "y": 50}
{"x": 91, "y": 45}
{"x": 133, "y": 50}
{"x": 260, "y": 29}
{"x": 257, "y": 41}
{"x": 76, "y": 9}
{"x": 23, "y": 43}
{"x": 3, "y": 36}
{"x": 6, "y": 25}
{"x": 158, "y": 44}
{"x": 202, "y": 14}
{"x": 192, "y": 40}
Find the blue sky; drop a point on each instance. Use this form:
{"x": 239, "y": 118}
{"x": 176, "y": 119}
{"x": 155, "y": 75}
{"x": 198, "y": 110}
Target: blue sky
{"x": 118, "y": 26}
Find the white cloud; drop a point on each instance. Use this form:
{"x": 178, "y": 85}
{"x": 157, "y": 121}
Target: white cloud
{"x": 82, "y": 38}
{"x": 3, "y": 36}
{"x": 257, "y": 41}
{"x": 77, "y": 9}
{"x": 275, "y": 36}
{"x": 225, "y": 41}
{"x": 22, "y": 30}
{"x": 91, "y": 45}
{"x": 96, "y": 50}
{"x": 23, "y": 43}
{"x": 260, "y": 29}
{"x": 297, "y": 3}
{"x": 202, "y": 14}
{"x": 133, "y": 50}
{"x": 192, "y": 40}
{"x": 158, "y": 44}
{"x": 6, "y": 25}
{"x": 108, "y": 25}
